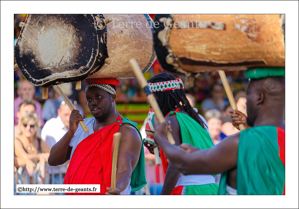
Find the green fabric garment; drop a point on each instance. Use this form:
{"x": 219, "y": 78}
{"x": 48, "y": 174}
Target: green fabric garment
{"x": 192, "y": 131}
{"x": 205, "y": 189}
{"x": 194, "y": 134}
{"x": 259, "y": 168}
{"x": 138, "y": 179}
{"x": 264, "y": 72}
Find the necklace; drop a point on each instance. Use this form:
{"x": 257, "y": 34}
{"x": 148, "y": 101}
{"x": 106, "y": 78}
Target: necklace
{"x": 31, "y": 148}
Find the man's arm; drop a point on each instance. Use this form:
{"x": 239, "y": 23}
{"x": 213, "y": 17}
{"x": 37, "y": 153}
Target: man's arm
{"x": 128, "y": 156}
{"x": 171, "y": 178}
{"x": 61, "y": 151}
{"x": 210, "y": 161}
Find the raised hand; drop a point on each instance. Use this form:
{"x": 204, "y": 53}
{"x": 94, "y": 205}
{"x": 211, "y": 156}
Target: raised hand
{"x": 74, "y": 120}
{"x": 149, "y": 146}
{"x": 238, "y": 118}
{"x": 161, "y": 129}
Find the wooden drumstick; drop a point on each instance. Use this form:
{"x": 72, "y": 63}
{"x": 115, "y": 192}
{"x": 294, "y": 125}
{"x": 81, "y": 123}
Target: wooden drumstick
{"x": 229, "y": 93}
{"x": 157, "y": 157}
{"x": 67, "y": 101}
{"x": 116, "y": 142}
{"x": 45, "y": 93}
{"x": 150, "y": 97}
{"x": 147, "y": 192}
{"x": 156, "y": 150}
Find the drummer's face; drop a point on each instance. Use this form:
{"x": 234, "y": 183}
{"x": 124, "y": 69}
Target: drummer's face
{"x": 99, "y": 102}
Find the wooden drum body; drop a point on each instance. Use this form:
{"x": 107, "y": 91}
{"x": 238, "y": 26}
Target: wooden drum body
{"x": 196, "y": 43}
{"x": 59, "y": 48}
{"x": 128, "y": 36}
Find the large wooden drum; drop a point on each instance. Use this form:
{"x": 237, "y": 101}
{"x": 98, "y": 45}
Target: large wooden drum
{"x": 59, "y": 48}
{"x": 196, "y": 43}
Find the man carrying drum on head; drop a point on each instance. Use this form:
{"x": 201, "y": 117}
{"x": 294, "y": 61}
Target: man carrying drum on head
{"x": 188, "y": 127}
{"x": 252, "y": 162}
{"x": 90, "y": 153}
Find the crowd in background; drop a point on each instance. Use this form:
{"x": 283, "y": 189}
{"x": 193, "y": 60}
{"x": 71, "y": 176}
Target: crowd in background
{"x": 39, "y": 124}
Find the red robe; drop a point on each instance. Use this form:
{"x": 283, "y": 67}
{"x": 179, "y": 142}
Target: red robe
{"x": 91, "y": 162}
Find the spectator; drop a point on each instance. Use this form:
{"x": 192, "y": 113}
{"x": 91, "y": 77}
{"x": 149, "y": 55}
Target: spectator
{"x": 241, "y": 100}
{"x": 216, "y": 101}
{"x": 61, "y": 125}
{"x": 225, "y": 113}
{"x": 192, "y": 102}
{"x": 214, "y": 122}
{"x": 52, "y": 105}
{"x": 25, "y": 107}
{"x": 19, "y": 162}
{"x": 29, "y": 146}
{"x": 26, "y": 91}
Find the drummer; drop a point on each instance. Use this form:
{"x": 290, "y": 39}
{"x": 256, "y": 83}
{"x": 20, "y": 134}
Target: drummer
{"x": 187, "y": 125}
{"x": 252, "y": 161}
{"x": 90, "y": 153}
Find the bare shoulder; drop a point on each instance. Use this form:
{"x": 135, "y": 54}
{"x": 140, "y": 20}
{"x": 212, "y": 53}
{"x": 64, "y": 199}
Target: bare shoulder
{"x": 130, "y": 134}
{"x": 173, "y": 120}
{"x": 175, "y": 126}
{"x": 17, "y": 141}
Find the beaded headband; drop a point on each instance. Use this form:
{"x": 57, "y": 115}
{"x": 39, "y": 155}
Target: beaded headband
{"x": 166, "y": 85}
{"x": 105, "y": 87}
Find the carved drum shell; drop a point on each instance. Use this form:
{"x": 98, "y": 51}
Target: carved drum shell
{"x": 128, "y": 36}
{"x": 225, "y": 42}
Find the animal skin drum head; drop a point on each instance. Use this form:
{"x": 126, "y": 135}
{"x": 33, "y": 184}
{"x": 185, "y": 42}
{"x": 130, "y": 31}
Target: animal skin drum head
{"x": 55, "y": 48}
{"x": 59, "y": 48}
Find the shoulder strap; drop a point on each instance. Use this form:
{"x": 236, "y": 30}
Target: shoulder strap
{"x": 39, "y": 145}
{"x": 126, "y": 120}
{"x": 22, "y": 145}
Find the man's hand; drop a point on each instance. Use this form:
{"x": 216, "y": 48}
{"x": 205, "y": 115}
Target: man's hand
{"x": 112, "y": 192}
{"x": 74, "y": 121}
{"x": 149, "y": 146}
{"x": 188, "y": 148}
{"x": 238, "y": 118}
{"x": 161, "y": 129}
